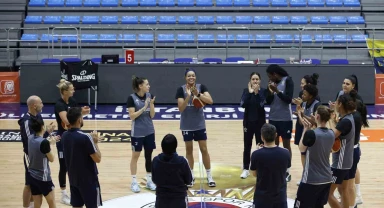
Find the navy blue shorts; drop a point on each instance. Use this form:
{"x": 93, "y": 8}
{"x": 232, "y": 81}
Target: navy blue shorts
{"x": 195, "y": 135}
{"x": 283, "y": 128}
{"x": 148, "y": 142}
{"x": 168, "y": 202}
{"x": 339, "y": 175}
{"x": 356, "y": 160}
{"x": 87, "y": 194}
{"x": 268, "y": 204}
{"x": 40, "y": 187}
{"x": 309, "y": 195}
{"x": 25, "y": 158}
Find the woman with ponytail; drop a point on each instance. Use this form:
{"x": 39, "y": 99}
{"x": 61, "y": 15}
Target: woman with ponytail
{"x": 309, "y": 80}
{"x": 350, "y": 83}
{"x": 141, "y": 109}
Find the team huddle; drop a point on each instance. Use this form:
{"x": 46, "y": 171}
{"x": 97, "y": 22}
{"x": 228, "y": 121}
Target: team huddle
{"x": 320, "y": 130}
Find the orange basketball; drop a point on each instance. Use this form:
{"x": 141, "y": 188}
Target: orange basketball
{"x": 336, "y": 145}
{"x": 198, "y": 103}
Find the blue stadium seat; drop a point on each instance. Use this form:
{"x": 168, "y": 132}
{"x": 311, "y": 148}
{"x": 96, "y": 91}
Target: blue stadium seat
{"x": 147, "y": 3}
{"x": 283, "y": 38}
{"x": 185, "y": 3}
{"x": 223, "y": 38}
{"x": 275, "y": 61}
{"x": 91, "y": 3}
{"x": 71, "y": 60}
{"x": 167, "y": 19}
{"x": 334, "y": 3}
{"x": 145, "y": 38}
{"x": 234, "y": 59}
{"x": 48, "y": 38}
{"x": 50, "y": 61}
{"x": 148, "y": 20}
{"x": 280, "y": 20}
{"x": 74, "y": 3}
{"x": 107, "y": 38}
{"x": 244, "y": 38}
{"x": 96, "y": 60}
{"x": 341, "y": 39}
{"x": 260, "y": 3}
{"x": 182, "y": 60}
{"x": 90, "y": 20}
{"x": 167, "y": 3}
{"x": 351, "y": 3}
{"x": 224, "y": 20}
{"x": 359, "y": 38}
{"x": 337, "y": 20}
{"x": 185, "y": 38}
{"x": 52, "y": 19}
{"x": 166, "y": 38}
{"x": 129, "y": 20}
{"x": 204, "y": 3}
{"x": 130, "y": 3}
{"x": 243, "y": 20}
{"x": 304, "y": 38}
{"x": 261, "y": 20}
{"x": 338, "y": 61}
{"x": 299, "y": 20}
{"x": 319, "y": 20}
{"x": 205, "y": 20}
{"x": 279, "y": 3}
{"x": 68, "y": 39}
{"x": 241, "y": 3}
{"x": 265, "y": 38}
{"x": 71, "y": 20}
{"x": 326, "y": 38}
{"x": 298, "y": 3}
{"x": 126, "y": 38}
{"x": 187, "y": 20}
{"x": 37, "y": 3}
{"x": 55, "y": 3}
{"x": 89, "y": 38}
{"x": 30, "y": 37}
{"x": 205, "y": 38}
{"x": 224, "y": 3}
{"x": 109, "y": 20}
{"x": 33, "y": 19}
{"x": 355, "y": 20}
{"x": 212, "y": 60}
{"x": 316, "y": 3}
{"x": 109, "y": 3}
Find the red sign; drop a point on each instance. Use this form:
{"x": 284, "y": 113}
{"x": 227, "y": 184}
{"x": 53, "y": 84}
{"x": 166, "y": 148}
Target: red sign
{"x": 9, "y": 87}
{"x": 129, "y": 56}
{"x": 379, "y": 89}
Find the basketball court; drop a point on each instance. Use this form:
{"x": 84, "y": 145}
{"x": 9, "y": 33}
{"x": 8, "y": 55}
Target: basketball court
{"x": 225, "y": 145}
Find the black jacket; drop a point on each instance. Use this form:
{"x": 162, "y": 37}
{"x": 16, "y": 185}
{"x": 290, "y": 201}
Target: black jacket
{"x": 250, "y": 100}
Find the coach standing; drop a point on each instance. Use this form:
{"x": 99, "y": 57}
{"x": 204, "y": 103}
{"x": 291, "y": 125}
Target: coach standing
{"x": 81, "y": 154}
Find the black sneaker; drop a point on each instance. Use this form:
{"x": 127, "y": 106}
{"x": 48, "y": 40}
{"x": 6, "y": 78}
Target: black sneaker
{"x": 288, "y": 177}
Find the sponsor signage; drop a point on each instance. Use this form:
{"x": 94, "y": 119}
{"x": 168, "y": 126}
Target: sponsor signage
{"x": 9, "y": 87}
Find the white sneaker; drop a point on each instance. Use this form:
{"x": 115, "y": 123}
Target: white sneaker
{"x": 298, "y": 183}
{"x": 337, "y": 196}
{"x": 244, "y": 174}
{"x": 358, "y": 200}
{"x": 31, "y": 205}
{"x": 151, "y": 186}
{"x": 211, "y": 182}
{"x": 135, "y": 188}
{"x": 65, "y": 199}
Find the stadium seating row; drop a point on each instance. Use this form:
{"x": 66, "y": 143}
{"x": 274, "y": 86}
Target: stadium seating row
{"x": 190, "y": 38}
{"x": 192, "y": 20}
{"x": 191, "y": 3}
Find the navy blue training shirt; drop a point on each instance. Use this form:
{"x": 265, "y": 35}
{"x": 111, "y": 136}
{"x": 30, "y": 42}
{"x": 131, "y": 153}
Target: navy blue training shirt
{"x": 253, "y": 105}
{"x": 77, "y": 148}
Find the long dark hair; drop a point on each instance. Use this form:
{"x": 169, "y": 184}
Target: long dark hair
{"x": 348, "y": 102}
{"x": 362, "y": 109}
{"x": 254, "y": 73}
{"x": 274, "y": 68}
{"x": 37, "y": 124}
{"x": 353, "y": 79}
{"x": 136, "y": 82}
{"x": 311, "y": 79}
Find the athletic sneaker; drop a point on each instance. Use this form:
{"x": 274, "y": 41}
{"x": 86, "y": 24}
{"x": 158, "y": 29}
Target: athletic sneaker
{"x": 135, "y": 187}
{"x": 211, "y": 182}
{"x": 288, "y": 177}
{"x": 337, "y": 195}
{"x": 151, "y": 186}
{"x": 359, "y": 200}
{"x": 298, "y": 183}
{"x": 65, "y": 199}
{"x": 244, "y": 174}
{"x": 191, "y": 184}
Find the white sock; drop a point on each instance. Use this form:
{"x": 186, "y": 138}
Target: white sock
{"x": 192, "y": 174}
{"x": 288, "y": 170}
{"x": 32, "y": 205}
{"x": 134, "y": 179}
{"x": 149, "y": 177}
{"x": 209, "y": 175}
{"x": 351, "y": 206}
{"x": 357, "y": 186}
{"x": 64, "y": 192}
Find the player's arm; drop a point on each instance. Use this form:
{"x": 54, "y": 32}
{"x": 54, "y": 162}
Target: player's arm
{"x": 343, "y": 127}
{"x": 153, "y": 170}
{"x": 307, "y": 140}
{"x": 269, "y": 96}
{"x": 152, "y": 107}
{"x": 205, "y": 96}
{"x": 92, "y": 147}
{"x": 288, "y": 93}
{"x": 245, "y": 97}
{"x": 253, "y": 166}
{"x": 133, "y": 114}
{"x": 45, "y": 148}
{"x": 181, "y": 102}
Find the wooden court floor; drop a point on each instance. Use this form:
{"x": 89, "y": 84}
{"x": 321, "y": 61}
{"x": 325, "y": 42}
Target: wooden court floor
{"x": 224, "y": 144}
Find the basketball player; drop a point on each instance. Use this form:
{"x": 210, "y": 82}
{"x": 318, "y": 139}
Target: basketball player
{"x": 269, "y": 163}
{"x": 141, "y": 110}
{"x": 279, "y": 97}
{"x": 192, "y": 120}
{"x": 40, "y": 154}
{"x": 81, "y": 153}
{"x": 317, "y": 177}
{"x": 35, "y": 106}
{"x": 342, "y": 159}
{"x": 252, "y": 101}
{"x": 171, "y": 174}
{"x": 61, "y": 108}
{"x": 350, "y": 83}
{"x": 309, "y": 80}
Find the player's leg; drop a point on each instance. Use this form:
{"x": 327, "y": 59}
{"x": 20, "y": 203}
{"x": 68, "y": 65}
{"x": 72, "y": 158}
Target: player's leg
{"x": 188, "y": 139}
{"x": 91, "y": 195}
{"x": 149, "y": 145}
{"x": 248, "y": 138}
{"x": 49, "y": 193}
{"x": 27, "y": 196}
{"x": 344, "y": 194}
{"x": 76, "y": 198}
{"x": 359, "y": 199}
{"x": 38, "y": 200}
{"x": 65, "y": 199}
{"x": 36, "y": 192}
{"x": 137, "y": 145}
{"x": 276, "y": 124}
{"x": 332, "y": 201}
{"x": 286, "y": 135}
{"x": 201, "y": 137}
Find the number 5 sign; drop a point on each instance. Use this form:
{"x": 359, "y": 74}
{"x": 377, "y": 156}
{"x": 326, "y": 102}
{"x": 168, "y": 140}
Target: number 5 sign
{"x": 129, "y": 56}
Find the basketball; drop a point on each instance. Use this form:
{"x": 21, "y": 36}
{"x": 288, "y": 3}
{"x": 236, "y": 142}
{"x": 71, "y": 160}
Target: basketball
{"x": 198, "y": 103}
{"x": 336, "y": 145}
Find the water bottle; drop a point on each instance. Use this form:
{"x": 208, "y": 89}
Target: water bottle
{"x": 194, "y": 60}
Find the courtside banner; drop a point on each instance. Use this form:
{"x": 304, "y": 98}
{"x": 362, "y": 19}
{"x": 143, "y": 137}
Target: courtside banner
{"x": 379, "y": 89}
{"x": 83, "y": 74}
{"x": 9, "y": 87}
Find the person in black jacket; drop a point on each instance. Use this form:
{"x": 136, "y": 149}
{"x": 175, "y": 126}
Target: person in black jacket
{"x": 171, "y": 174}
{"x": 252, "y": 101}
